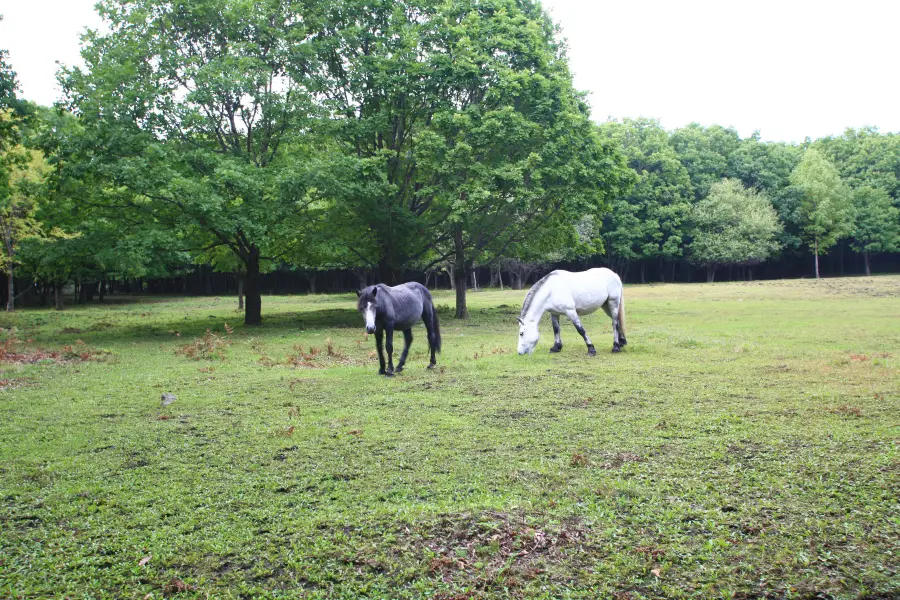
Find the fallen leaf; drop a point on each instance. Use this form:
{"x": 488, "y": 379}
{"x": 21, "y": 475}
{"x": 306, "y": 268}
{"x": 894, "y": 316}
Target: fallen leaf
{"x": 144, "y": 561}
{"x": 655, "y": 572}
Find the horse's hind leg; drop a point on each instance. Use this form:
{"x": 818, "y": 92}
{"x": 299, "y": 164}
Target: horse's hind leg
{"x": 557, "y": 340}
{"x": 407, "y": 341}
{"x": 576, "y": 321}
{"x": 612, "y": 309}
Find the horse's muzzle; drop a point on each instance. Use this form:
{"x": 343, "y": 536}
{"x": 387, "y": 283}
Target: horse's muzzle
{"x": 370, "y": 330}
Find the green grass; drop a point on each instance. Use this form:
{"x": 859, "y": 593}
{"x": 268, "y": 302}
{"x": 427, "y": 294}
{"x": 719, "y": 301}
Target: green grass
{"x": 745, "y": 444}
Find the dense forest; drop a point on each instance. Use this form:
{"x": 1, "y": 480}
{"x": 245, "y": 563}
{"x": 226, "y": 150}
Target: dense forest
{"x": 214, "y": 147}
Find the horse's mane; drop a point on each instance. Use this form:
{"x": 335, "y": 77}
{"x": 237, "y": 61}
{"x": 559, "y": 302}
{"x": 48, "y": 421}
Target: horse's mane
{"x": 532, "y": 293}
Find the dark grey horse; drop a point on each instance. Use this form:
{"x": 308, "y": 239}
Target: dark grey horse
{"x": 400, "y": 307}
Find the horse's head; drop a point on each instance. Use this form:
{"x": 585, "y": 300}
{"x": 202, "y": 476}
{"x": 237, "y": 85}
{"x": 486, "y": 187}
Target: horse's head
{"x": 528, "y": 335}
{"x": 368, "y": 306}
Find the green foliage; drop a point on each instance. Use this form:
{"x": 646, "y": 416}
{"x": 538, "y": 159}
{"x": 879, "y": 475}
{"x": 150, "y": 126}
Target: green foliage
{"x": 877, "y": 223}
{"x": 649, "y": 220}
{"x": 190, "y": 111}
{"x": 825, "y": 206}
{"x": 733, "y": 225}
{"x": 705, "y": 152}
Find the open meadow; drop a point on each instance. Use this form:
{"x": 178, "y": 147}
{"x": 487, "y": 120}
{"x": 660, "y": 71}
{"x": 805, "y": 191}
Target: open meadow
{"x": 746, "y": 443}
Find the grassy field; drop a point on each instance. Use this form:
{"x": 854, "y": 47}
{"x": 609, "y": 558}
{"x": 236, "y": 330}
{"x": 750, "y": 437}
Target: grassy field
{"x": 745, "y": 444}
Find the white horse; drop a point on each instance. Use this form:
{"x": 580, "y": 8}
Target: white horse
{"x": 572, "y": 295}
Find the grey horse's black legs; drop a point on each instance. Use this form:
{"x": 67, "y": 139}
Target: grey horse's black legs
{"x": 557, "y": 340}
{"x": 611, "y": 308}
{"x": 573, "y": 316}
{"x": 407, "y": 341}
{"x": 389, "y": 347}
{"x": 379, "y": 342}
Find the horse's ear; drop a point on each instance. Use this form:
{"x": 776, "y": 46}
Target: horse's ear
{"x": 358, "y": 293}
{"x": 519, "y": 319}
{"x": 374, "y": 291}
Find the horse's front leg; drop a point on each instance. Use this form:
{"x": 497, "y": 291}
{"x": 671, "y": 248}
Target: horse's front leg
{"x": 557, "y": 339}
{"x": 407, "y": 342}
{"x": 389, "y": 346}
{"x": 576, "y": 321}
{"x": 379, "y": 342}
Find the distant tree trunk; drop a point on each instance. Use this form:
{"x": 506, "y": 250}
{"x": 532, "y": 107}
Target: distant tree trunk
{"x": 10, "y": 289}
{"x": 500, "y": 277}
{"x": 312, "y": 282}
{"x": 643, "y": 272}
{"x": 240, "y": 290}
{"x": 101, "y": 290}
{"x": 460, "y": 273}
{"x": 711, "y": 273}
{"x": 253, "y": 306}
{"x": 662, "y": 273}
{"x": 452, "y": 277}
{"x": 474, "y": 280}
{"x": 57, "y": 296}
{"x": 841, "y": 258}
{"x": 866, "y": 258}
{"x": 817, "y": 256}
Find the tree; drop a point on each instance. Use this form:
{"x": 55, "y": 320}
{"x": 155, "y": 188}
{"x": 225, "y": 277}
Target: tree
{"x": 25, "y": 171}
{"x": 825, "y": 207}
{"x": 648, "y": 221}
{"x": 733, "y": 225}
{"x": 766, "y": 167}
{"x": 877, "y": 224}
{"x": 188, "y": 108}
{"x": 705, "y": 152}
{"x": 461, "y": 121}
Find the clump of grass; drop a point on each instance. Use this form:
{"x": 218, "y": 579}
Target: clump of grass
{"x": 847, "y": 410}
{"x": 210, "y": 347}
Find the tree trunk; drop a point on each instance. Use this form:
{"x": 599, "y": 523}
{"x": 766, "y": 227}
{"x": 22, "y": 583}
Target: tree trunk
{"x": 10, "y": 289}
{"x": 452, "y": 277}
{"x": 817, "y": 256}
{"x": 662, "y": 273}
{"x": 460, "y": 273}
{"x": 474, "y": 281}
{"x": 253, "y": 305}
{"x": 841, "y": 258}
{"x": 710, "y": 274}
{"x": 866, "y": 257}
{"x": 240, "y": 290}
{"x": 57, "y": 296}
{"x": 500, "y": 277}
{"x": 643, "y": 272}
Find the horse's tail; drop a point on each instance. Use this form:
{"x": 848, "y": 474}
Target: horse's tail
{"x": 436, "y": 327}
{"x": 434, "y": 340}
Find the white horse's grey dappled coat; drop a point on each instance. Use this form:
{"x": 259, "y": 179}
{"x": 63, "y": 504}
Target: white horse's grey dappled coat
{"x": 387, "y": 308}
{"x": 573, "y": 295}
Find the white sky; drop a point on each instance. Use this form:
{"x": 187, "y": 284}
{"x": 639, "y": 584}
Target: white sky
{"x": 790, "y": 68}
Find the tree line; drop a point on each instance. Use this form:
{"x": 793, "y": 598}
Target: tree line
{"x": 385, "y": 138}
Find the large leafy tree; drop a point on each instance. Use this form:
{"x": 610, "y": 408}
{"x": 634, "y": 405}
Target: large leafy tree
{"x": 649, "y": 221}
{"x": 766, "y": 167}
{"x": 826, "y": 211}
{"x": 705, "y": 152}
{"x": 876, "y": 227}
{"x": 462, "y": 127}
{"x": 733, "y": 225}
{"x": 188, "y": 108}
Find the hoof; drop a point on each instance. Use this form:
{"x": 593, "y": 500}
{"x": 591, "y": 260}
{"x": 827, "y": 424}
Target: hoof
{"x": 592, "y": 351}
{"x": 398, "y": 370}
{"x": 388, "y": 373}
{"x": 431, "y": 366}
{"x": 622, "y": 341}
{"x": 616, "y": 349}
{"x": 381, "y": 371}
{"x": 556, "y": 348}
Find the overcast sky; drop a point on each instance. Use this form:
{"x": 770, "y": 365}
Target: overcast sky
{"x": 790, "y": 68}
